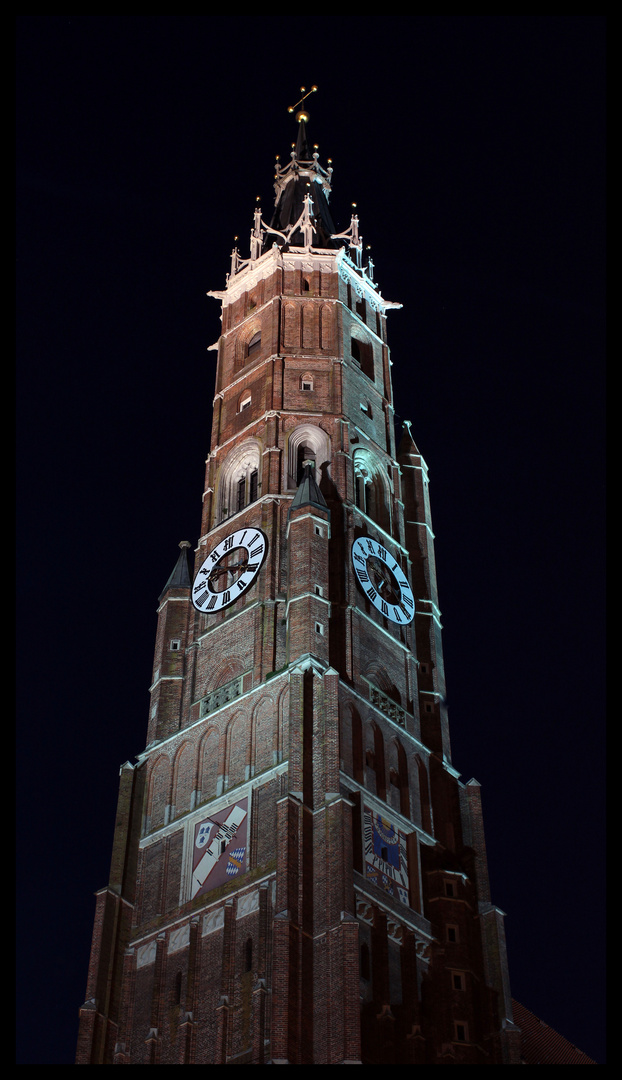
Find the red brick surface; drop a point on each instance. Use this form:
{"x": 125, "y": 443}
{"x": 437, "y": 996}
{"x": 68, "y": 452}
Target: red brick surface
{"x": 305, "y": 957}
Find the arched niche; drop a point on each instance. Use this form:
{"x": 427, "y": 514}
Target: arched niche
{"x": 375, "y": 773}
{"x": 159, "y": 793}
{"x": 248, "y": 344}
{"x": 183, "y": 778}
{"x": 307, "y": 441}
{"x": 362, "y": 350}
{"x": 398, "y": 777}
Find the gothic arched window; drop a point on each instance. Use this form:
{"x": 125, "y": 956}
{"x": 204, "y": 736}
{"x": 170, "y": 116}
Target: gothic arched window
{"x": 239, "y": 479}
{"x": 244, "y": 401}
{"x": 371, "y": 489}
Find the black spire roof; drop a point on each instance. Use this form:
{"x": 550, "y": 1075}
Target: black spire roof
{"x": 303, "y": 176}
{"x": 180, "y": 577}
{"x": 308, "y": 492}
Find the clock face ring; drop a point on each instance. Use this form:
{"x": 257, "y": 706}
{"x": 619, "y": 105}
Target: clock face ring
{"x": 229, "y": 570}
{"x": 382, "y": 580}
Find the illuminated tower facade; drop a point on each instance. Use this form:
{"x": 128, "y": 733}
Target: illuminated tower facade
{"x": 298, "y": 874}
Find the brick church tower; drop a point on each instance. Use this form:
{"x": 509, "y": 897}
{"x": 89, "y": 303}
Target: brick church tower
{"x": 298, "y": 874}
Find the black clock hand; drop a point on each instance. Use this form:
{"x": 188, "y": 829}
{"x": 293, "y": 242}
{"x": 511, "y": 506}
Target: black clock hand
{"x": 216, "y": 573}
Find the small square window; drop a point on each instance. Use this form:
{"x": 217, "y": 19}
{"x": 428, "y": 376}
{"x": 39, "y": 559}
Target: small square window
{"x": 449, "y": 888}
{"x": 453, "y": 933}
{"x": 175, "y": 645}
{"x": 462, "y": 1032}
{"x": 306, "y": 385}
{"x": 319, "y": 629}
{"x": 457, "y": 980}
{"x": 319, "y": 590}
{"x": 319, "y": 531}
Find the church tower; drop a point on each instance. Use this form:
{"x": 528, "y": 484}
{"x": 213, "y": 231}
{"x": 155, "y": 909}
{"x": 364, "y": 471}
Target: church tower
{"x": 298, "y": 874}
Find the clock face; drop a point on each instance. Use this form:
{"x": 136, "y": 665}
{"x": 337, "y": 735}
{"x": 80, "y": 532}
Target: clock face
{"x": 229, "y": 570}
{"x": 382, "y": 580}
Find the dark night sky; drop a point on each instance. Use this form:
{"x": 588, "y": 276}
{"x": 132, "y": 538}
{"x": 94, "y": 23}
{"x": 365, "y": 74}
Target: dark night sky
{"x": 474, "y": 149}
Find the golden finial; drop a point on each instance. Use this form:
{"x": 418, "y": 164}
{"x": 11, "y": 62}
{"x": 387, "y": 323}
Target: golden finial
{"x": 302, "y": 114}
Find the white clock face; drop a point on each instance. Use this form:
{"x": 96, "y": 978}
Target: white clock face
{"x": 229, "y": 570}
{"x": 382, "y": 580}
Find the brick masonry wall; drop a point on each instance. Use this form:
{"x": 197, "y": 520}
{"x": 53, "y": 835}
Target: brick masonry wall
{"x": 266, "y": 965}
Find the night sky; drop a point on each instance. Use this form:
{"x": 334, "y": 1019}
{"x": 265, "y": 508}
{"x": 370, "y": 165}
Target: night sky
{"x": 473, "y": 147}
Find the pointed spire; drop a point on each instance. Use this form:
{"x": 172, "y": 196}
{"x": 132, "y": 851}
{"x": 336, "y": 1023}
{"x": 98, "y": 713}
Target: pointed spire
{"x": 302, "y": 147}
{"x": 180, "y": 577}
{"x": 302, "y": 190}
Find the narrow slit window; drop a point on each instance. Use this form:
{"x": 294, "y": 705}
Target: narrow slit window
{"x": 241, "y": 494}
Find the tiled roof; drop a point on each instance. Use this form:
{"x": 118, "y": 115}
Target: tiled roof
{"x": 541, "y": 1045}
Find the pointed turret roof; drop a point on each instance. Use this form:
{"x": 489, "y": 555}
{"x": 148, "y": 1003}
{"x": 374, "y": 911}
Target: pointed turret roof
{"x": 308, "y": 493}
{"x": 180, "y": 577}
{"x": 408, "y": 446}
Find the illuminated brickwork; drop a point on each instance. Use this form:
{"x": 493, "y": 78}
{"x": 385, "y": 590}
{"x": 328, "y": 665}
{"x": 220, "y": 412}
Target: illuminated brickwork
{"x": 298, "y": 874}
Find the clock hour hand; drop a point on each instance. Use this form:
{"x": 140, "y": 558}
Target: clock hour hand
{"x": 384, "y": 584}
{"x": 218, "y": 572}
